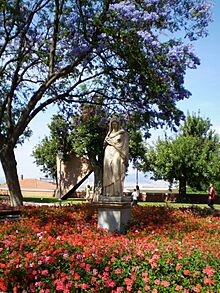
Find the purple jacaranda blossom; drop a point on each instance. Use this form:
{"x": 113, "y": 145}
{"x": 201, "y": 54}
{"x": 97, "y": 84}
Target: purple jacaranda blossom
{"x": 133, "y": 13}
{"x": 81, "y": 49}
{"x": 145, "y": 35}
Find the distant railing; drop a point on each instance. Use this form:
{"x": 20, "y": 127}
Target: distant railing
{"x": 190, "y": 198}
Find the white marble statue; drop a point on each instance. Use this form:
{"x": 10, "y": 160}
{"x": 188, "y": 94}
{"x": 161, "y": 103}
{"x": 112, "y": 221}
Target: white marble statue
{"x": 115, "y": 159}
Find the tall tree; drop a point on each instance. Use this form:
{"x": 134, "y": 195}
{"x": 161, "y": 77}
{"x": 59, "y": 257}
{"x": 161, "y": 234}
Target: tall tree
{"x": 72, "y": 50}
{"x": 88, "y": 131}
{"x": 190, "y": 158}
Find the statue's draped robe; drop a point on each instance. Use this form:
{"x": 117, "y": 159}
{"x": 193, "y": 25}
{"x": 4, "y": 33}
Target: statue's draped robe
{"x": 115, "y": 162}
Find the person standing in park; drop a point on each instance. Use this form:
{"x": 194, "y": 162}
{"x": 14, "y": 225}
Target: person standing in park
{"x": 88, "y": 193}
{"x": 211, "y": 196}
{"x": 134, "y": 196}
{"x": 138, "y": 192}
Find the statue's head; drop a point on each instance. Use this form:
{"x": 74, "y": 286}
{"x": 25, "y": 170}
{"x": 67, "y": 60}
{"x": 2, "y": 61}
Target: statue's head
{"x": 114, "y": 124}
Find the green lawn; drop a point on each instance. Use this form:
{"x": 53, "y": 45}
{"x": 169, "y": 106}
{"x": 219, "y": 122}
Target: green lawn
{"x": 177, "y": 205}
{"x": 54, "y": 200}
{"x": 50, "y": 200}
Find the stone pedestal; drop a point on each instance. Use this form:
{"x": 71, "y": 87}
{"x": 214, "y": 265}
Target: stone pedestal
{"x": 114, "y": 213}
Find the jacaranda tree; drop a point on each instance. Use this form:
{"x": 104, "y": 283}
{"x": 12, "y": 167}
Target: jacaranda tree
{"x": 73, "y": 50}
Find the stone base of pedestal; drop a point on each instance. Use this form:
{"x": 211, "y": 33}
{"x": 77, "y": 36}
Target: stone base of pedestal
{"x": 114, "y": 199}
{"x": 114, "y": 215}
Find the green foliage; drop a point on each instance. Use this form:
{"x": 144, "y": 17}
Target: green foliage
{"x": 82, "y": 132}
{"x": 137, "y": 148}
{"x": 60, "y": 133}
{"x": 88, "y": 130}
{"x": 45, "y": 156}
{"x": 192, "y": 155}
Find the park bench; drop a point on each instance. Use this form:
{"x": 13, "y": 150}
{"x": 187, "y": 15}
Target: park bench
{"x": 8, "y": 213}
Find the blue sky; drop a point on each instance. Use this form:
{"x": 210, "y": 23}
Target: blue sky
{"x": 203, "y": 83}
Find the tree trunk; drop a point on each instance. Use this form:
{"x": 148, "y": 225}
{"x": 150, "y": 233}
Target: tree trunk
{"x": 9, "y": 166}
{"x": 97, "y": 183}
{"x": 182, "y": 187}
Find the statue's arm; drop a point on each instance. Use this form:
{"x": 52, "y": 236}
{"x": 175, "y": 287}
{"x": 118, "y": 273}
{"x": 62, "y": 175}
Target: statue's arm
{"x": 121, "y": 145}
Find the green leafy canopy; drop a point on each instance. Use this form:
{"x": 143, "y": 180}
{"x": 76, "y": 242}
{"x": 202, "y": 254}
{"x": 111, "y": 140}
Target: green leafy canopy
{"x": 192, "y": 155}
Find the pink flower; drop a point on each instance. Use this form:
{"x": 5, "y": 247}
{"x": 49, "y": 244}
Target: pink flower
{"x": 44, "y": 273}
{"x": 146, "y": 279}
{"x": 65, "y": 255}
{"x": 93, "y": 280}
{"x": 128, "y": 281}
{"x": 133, "y": 277}
{"x": 110, "y": 283}
{"x": 85, "y": 286}
{"x": 178, "y": 267}
{"x": 178, "y": 288}
{"x": 208, "y": 271}
{"x": 144, "y": 274}
{"x": 88, "y": 266}
{"x": 165, "y": 283}
{"x": 208, "y": 281}
{"x": 59, "y": 285}
{"x": 157, "y": 282}
{"x": 38, "y": 284}
{"x": 119, "y": 289}
{"x": 118, "y": 271}
{"x": 186, "y": 272}
{"x": 127, "y": 257}
{"x": 197, "y": 288}
{"x": 47, "y": 258}
{"x": 105, "y": 276}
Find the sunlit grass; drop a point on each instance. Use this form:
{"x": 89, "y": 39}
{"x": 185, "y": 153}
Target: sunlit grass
{"x": 177, "y": 205}
{"x": 53, "y": 200}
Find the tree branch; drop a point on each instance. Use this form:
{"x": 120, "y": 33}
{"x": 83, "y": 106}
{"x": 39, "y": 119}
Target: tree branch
{"x": 58, "y": 12}
{"x": 27, "y": 115}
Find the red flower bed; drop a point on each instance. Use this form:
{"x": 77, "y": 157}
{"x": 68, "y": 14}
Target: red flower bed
{"x": 60, "y": 249}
